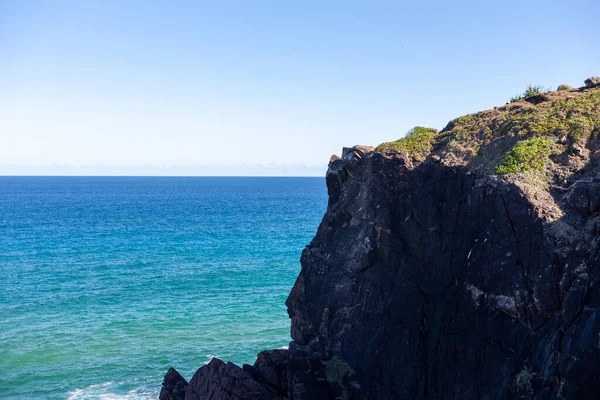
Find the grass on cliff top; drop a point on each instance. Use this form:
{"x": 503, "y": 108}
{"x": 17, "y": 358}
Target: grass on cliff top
{"x": 529, "y": 91}
{"x": 555, "y": 132}
{"x": 565, "y": 113}
{"x": 417, "y": 143}
{"x": 531, "y": 154}
{"x": 569, "y": 118}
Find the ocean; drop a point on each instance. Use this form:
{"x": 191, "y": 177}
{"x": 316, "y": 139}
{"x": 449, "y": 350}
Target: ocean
{"x": 106, "y": 282}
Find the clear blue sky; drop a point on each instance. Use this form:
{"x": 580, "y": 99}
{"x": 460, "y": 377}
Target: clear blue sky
{"x": 253, "y": 82}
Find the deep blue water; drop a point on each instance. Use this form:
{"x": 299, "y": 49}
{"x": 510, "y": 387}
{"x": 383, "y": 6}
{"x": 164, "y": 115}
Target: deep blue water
{"x": 108, "y": 281}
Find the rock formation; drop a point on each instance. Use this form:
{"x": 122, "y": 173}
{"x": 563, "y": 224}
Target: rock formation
{"x": 437, "y": 278}
{"x": 592, "y": 82}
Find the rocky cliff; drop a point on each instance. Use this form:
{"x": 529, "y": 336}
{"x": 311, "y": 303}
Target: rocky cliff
{"x": 461, "y": 264}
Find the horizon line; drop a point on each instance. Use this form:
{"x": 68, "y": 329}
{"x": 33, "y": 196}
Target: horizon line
{"x": 161, "y": 176}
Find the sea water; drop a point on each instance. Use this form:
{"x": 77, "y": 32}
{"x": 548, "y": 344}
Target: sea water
{"x": 106, "y": 282}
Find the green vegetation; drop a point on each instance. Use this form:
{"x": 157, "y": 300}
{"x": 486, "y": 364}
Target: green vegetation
{"x": 523, "y": 381}
{"x": 529, "y": 91}
{"x": 417, "y": 143}
{"x": 521, "y": 138}
{"x": 575, "y": 116}
{"x": 564, "y": 87}
{"x": 530, "y": 154}
{"x": 482, "y": 123}
{"x": 336, "y": 370}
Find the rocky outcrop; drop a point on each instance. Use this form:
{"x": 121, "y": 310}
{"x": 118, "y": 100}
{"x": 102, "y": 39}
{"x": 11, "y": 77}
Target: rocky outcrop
{"x": 592, "y": 82}
{"x": 276, "y": 374}
{"x": 174, "y": 386}
{"x": 436, "y": 280}
{"x": 218, "y": 380}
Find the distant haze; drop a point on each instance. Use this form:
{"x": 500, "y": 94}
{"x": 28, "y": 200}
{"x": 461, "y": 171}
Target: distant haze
{"x": 164, "y": 170}
{"x": 262, "y": 88}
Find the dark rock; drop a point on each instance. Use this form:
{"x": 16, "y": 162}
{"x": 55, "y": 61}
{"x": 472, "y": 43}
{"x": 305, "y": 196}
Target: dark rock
{"x": 173, "y": 387}
{"x": 220, "y": 381}
{"x": 592, "y": 82}
{"x": 356, "y": 152}
{"x": 276, "y": 374}
{"x": 271, "y": 367}
{"x": 306, "y": 379}
{"x": 584, "y": 196}
{"x": 433, "y": 284}
{"x": 537, "y": 99}
{"x": 577, "y": 149}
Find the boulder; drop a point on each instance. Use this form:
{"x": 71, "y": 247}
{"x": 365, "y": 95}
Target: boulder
{"x": 173, "y": 387}
{"x": 226, "y": 381}
{"x": 592, "y": 82}
{"x": 537, "y": 99}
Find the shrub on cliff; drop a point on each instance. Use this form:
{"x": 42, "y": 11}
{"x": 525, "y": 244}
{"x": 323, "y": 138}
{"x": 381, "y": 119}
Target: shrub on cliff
{"x": 417, "y": 143}
{"x": 529, "y": 91}
{"x": 564, "y": 87}
{"x": 530, "y": 154}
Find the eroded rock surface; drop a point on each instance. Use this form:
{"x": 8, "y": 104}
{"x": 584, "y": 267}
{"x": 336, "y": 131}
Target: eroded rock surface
{"x": 174, "y": 386}
{"x": 592, "y": 82}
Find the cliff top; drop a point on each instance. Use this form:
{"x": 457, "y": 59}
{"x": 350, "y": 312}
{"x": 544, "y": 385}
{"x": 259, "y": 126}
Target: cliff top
{"x": 541, "y": 141}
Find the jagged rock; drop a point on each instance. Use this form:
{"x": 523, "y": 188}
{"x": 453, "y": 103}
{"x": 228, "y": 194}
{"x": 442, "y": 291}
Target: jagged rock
{"x": 271, "y": 367}
{"x": 306, "y": 379}
{"x": 584, "y": 196}
{"x": 220, "y": 381}
{"x": 433, "y": 283}
{"x": 276, "y": 374}
{"x": 592, "y": 82}
{"x": 356, "y": 152}
{"x": 335, "y": 177}
{"x": 173, "y": 387}
{"x": 291, "y": 373}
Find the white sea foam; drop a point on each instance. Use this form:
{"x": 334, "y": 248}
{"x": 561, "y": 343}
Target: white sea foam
{"x": 209, "y": 357}
{"x": 105, "y": 391}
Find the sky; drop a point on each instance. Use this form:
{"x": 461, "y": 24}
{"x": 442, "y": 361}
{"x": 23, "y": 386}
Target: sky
{"x": 263, "y": 87}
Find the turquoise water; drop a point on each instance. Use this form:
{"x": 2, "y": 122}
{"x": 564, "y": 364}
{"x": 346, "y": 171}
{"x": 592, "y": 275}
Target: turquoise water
{"x": 106, "y": 282}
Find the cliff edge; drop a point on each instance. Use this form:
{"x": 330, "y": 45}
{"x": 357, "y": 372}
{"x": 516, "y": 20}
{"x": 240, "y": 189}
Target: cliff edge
{"x": 461, "y": 264}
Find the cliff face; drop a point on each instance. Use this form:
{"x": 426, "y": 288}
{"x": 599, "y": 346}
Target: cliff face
{"x": 431, "y": 277}
{"x": 434, "y": 283}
